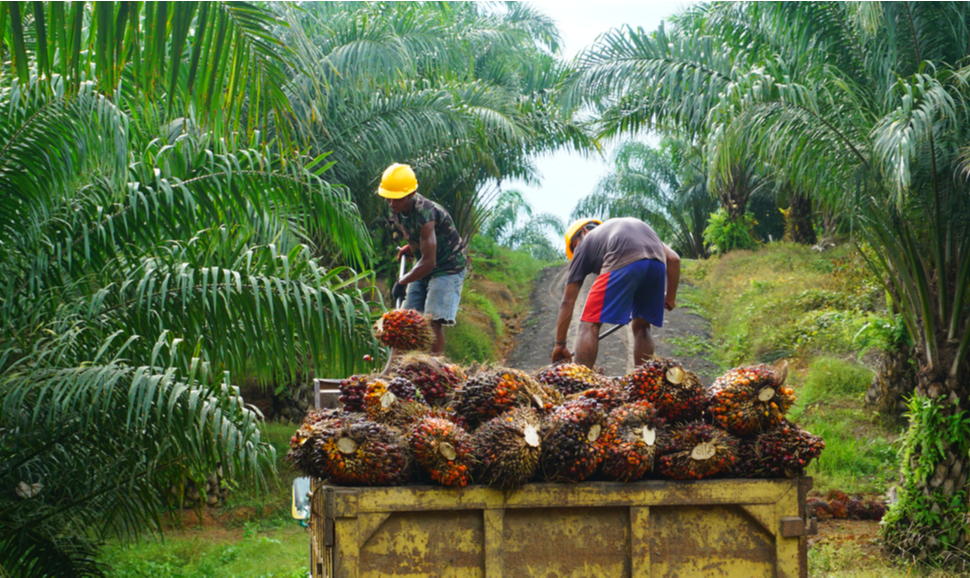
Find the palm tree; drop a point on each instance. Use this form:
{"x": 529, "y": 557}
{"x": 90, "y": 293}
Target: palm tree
{"x": 511, "y": 223}
{"x": 665, "y": 187}
{"x": 865, "y": 107}
{"x": 149, "y": 260}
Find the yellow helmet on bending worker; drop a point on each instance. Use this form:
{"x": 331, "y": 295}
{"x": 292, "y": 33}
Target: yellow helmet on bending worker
{"x": 397, "y": 182}
{"x": 576, "y": 227}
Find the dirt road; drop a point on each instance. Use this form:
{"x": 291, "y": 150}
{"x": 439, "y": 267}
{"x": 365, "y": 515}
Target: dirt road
{"x": 535, "y": 342}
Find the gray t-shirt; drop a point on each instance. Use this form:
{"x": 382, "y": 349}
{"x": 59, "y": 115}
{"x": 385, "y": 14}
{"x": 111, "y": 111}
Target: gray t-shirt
{"x": 613, "y": 245}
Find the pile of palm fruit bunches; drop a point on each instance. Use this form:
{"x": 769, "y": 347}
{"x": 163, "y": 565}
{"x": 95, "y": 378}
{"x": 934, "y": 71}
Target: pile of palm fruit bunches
{"x": 429, "y": 421}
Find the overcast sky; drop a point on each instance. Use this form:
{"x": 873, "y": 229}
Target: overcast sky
{"x": 568, "y": 177}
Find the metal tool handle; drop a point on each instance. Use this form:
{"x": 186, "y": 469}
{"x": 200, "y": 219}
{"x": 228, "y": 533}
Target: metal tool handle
{"x": 610, "y": 331}
{"x": 400, "y": 273}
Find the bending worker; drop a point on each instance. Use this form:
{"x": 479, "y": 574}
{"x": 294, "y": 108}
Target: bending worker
{"x": 637, "y": 278}
{"x": 433, "y": 285}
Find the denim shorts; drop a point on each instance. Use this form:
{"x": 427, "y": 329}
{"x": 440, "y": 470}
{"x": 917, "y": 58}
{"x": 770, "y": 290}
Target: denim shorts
{"x": 438, "y": 297}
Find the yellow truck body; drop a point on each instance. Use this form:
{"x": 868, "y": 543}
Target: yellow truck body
{"x": 708, "y": 528}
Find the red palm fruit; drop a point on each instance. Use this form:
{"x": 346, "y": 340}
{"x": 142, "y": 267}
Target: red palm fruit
{"x": 784, "y": 452}
{"x": 315, "y": 424}
{"x": 819, "y": 508}
{"x": 749, "y": 400}
{"x": 610, "y": 396}
{"x": 570, "y": 452}
{"x": 493, "y": 392}
{"x": 633, "y": 436}
{"x": 875, "y": 510}
{"x": 856, "y": 508}
{"x": 363, "y": 453}
{"x": 839, "y": 509}
{"x": 570, "y": 378}
{"x": 508, "y": 448}
{"x": 698, "y": 450}
{"x": 404, "y": 330}
{"x": 352, "y": 391}
{"x": 435, "y": 379}
{"x": 444, "y": 451}
{"x": 677, "y": 394}
{"x": 837, "y": 495}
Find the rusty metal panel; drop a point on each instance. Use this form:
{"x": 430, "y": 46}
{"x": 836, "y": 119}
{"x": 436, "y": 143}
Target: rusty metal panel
{"x": 655, "y": 528}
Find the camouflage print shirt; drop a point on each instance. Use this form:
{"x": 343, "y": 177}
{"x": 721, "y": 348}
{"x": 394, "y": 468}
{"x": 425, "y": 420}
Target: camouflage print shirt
{"x": 450, "y": 257}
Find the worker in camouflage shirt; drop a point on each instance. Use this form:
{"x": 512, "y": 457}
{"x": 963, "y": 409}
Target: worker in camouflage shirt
{"x": 433, "y": 285}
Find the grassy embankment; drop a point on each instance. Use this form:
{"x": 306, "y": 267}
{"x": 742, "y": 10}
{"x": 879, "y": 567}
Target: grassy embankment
{"x": 253, "y": 534}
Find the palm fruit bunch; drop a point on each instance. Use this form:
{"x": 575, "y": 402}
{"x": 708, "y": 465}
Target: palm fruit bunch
{"x": 436, "y": 379}
{"x": 609, "y": 396}
{"x": 352, "y": 392}
{"x": 550, "y": 397}
{"x": 783, "y": 452}
{"x": 404, "y": 330}
{"x": 875, "y": 510}
{"x": 633, "y": 438}
{"x": 301, "y": 446}
{"x": 749, "y": 400}
{"x": 570, "y": 452}
{"x": 677, "y": 394}
{"x": 444, "y": 450}
{"x": 508, "y": 448}
{"x": 384, "y": 399}
{"x": 698, "y": 450}
{"x": 362, "y": 453}
{"x": 493, "y": 392}
{"x": 839, "y": 508}
{"x": 856, "y": 508}
{"x": 819, "y": 508}
{"x": 570, "y": 378}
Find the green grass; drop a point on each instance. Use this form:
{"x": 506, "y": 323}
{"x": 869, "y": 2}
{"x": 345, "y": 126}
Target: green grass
{"x": 835, "y": 560}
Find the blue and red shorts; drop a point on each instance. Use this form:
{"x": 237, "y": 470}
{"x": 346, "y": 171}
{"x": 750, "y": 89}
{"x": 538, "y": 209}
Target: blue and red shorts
{"x": 633, "y": 291}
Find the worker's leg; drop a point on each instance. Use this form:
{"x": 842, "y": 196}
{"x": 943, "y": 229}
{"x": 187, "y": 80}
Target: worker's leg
{"x": 642, "y": 341}
{"x": 587, "y": 344}
{"x": 441, "y": 305}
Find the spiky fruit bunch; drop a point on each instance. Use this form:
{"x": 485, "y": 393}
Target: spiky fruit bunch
{"x": 363, "y": 453}
{"x": 352, "y": 392}
{"x": 508, "y": 448}
{"x": 875, "y": 510}
{"x": 402, "y": 414}
{"x": 570, "y": 452}
{"x": 783, "y": 452}
{"x": 444, "y": 451}
{"x": 698, "y": 450}
{"x": 493, "y": 392}
{"x": 314, "y": 424}
{"x": 550, "y": 396}
{"x": 570, "y": 378}
{"x": 749, "y": 400}
{"x": 634, "y": 436}
{"x": 819, "y": 508}
{"x": 404, "y": 330}
{"x": 834, "y": 494}
{"x": 839, "y": 509}
{"x": 435, "y": 379}
{"x": 609, "y": 396}
{"x": 677, "y": 394}
{"x": 856, "y": 508}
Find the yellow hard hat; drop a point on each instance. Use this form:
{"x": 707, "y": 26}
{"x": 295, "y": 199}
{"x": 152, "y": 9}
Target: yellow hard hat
{"x": 575, "y": 228}
{"x": 398, "y": 182}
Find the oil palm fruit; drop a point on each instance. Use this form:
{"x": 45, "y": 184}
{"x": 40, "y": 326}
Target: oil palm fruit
{"x": 819, "y": 508}
{"x": 856, "y": 508}
{"x": 698, "y": 450}
{"x": 508, "y": 448}
{"x": 609, "y": 396}
{"x": 570, "y": 378}
{"x": 783, "y": 452}
{"x": 875, "y": 510}
{"x": 433, "y": 377}
{"x": 491, "y": 393}
{"x": 749, "y": 400}
{"x": 444, "y": 450}
{"x": 314, "y": 424}
{"x": 363, "y": 453}
{"x": 839, "y": 509}
{"x": 677, "y": 393}
{"x": 404, "y": 330}
{"x": 570, "y": 452}
{"x": 352, "y": 392}
{"x": 834, "y": 494}
{"x": 633, "y": 438}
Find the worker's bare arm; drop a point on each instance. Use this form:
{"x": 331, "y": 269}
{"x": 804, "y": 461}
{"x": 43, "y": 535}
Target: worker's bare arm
{"x": 569, "y": 296}
{"x": 673, "y": 278}
{"x": 428, "y": 245}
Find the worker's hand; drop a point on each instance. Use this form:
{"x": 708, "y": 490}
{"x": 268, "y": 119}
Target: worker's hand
{"x": 399, "y": 292}
{"x": 403, "y": 252}
{"x": 561, "y": 353}
{"x": 670, "y": 303}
